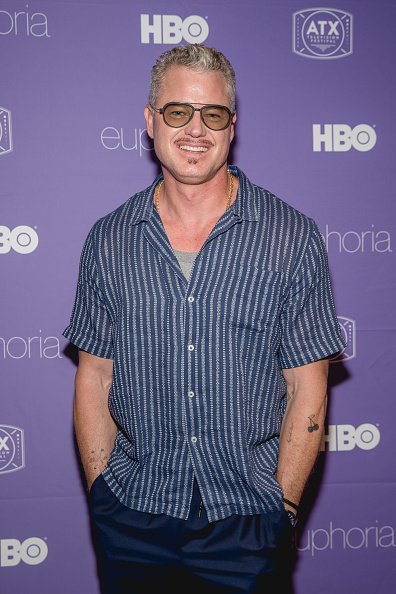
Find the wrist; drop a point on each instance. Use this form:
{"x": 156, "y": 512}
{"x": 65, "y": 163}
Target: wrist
{"x": 291, "y": 504}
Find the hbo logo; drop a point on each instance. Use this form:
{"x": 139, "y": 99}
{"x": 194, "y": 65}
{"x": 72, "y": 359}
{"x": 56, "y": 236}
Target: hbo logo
{"x": 341, "y": 137}
{"x": 169, "y": 28}
{"x": 341, "y": 438}
{"x": 22, "y": 239}
{"x": 31, "y": 551}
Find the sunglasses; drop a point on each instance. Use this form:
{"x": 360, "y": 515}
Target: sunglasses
{"x": 177, "y": 115}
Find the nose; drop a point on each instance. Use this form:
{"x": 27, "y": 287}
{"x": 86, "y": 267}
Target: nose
{"x": 195, "y": 126}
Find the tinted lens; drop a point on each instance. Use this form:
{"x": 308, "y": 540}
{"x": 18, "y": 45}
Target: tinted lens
{"x": 216, "y": 117}
{"x": 176, "y": 115}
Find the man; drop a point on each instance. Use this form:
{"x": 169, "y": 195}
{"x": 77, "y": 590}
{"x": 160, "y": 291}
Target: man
{"x": 204, "y": 318}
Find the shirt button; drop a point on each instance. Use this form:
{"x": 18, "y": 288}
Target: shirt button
{"x": 190, "y": 298}
{"x": 194, "y": 439}
{"x": 190, "y": 347}
{"x": 191, "y": 394}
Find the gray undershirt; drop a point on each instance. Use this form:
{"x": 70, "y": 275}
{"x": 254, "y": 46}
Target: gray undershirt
{"x": 186, "y": 261}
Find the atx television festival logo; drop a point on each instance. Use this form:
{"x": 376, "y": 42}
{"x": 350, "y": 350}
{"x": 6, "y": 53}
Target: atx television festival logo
{"x": 348, "y": 328}
{"x": 12, "y": 449}
{"x": 5, "y": 131}
{"x": 172, "y": 29}
{"x": 322, "y": 33}
{"x": 341, "y": 138}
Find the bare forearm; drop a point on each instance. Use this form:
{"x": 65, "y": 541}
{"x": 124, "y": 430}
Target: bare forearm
{"x": 94, "y": 427}
{"x": 302, "y": 432}
{"x": 300, "y": 442}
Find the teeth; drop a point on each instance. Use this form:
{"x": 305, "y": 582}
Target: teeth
{"x": 196, "y": 149}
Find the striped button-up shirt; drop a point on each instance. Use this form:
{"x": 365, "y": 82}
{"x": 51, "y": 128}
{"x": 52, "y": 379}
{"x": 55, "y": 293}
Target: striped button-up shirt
{"x": 197, "y": 387}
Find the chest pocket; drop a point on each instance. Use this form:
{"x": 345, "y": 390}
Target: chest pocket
{"x": 255, "y": 300}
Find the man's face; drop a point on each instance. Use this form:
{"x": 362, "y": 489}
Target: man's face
{"x": 194, "y": 153}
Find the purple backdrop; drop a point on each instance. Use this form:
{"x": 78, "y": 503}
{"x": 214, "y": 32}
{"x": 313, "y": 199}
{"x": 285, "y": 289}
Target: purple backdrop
{"x": 315, "y": 125}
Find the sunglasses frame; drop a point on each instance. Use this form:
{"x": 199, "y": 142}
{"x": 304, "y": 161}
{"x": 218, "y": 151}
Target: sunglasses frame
{"x": 161, "y": 110}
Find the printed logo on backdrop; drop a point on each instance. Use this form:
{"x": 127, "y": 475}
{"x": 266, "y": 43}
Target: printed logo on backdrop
{"x": 31, "y": 551}
{"x": 5, "y": 131}
{"x": 23, "y": 23}
{"x": 172, "y": 29}
{"x": 135, "y": 139}
{"x": 22, "y": 239}
{"x": 30, "y": 347}
{"x": 348, "y": 328}
{"x": 322, "y": 33}
{"x": 12, "y": 449}
{"x": 341, "y": 138}
{"x": 344, "y": 438}
{"x": 368, "y": 241}
{"x": 342, "y": 538}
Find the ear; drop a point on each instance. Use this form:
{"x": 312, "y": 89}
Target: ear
{"x": 148, "y": 116}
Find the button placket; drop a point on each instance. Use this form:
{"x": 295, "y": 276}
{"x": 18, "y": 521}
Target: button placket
{"x": 191, "y": 322}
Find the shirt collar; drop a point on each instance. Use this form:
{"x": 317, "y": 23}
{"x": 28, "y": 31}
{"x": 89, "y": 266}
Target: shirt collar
{"x": 143, "y": 203}
{"x": 244, "y": 206}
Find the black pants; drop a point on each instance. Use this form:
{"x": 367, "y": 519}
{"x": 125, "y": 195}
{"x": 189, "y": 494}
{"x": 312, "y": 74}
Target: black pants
{"x": 238, "y": 555}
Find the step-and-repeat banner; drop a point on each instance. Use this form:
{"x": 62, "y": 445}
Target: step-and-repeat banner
{"x": 316, "y": 126}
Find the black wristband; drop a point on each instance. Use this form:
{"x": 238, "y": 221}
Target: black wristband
{"x": 290, "y": 503}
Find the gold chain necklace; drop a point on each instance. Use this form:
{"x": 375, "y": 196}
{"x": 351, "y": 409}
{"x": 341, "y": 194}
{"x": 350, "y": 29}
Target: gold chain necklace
{"x": 229, "y": 197}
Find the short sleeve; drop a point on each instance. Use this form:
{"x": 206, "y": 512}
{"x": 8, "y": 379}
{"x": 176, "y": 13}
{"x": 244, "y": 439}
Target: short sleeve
{"x": 309, "y": 325}
{"x": 90, "y": 327}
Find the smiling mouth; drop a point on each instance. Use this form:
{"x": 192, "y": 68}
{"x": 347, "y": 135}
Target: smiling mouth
{"x": 194, "y": 149}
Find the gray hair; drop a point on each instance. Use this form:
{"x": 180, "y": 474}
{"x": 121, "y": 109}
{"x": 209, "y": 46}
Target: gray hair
{"x": 197, "y": 57}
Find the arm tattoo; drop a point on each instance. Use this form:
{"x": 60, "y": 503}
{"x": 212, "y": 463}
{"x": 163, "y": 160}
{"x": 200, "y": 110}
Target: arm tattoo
{"x": 312, "y": 426}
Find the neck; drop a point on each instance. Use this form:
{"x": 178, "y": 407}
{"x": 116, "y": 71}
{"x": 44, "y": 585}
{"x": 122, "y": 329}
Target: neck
{"x": 195, "y": 202}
